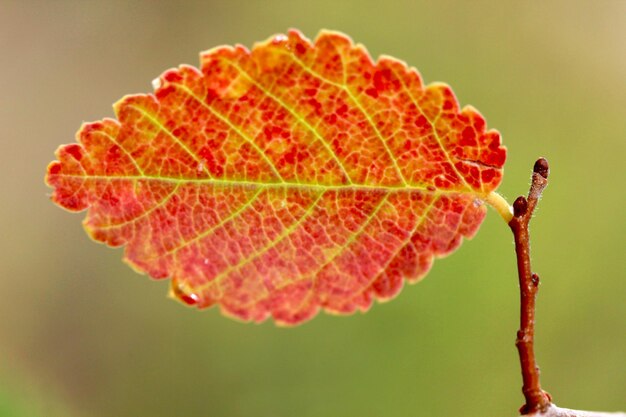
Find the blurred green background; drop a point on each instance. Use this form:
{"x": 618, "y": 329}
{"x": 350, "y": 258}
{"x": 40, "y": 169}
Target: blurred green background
{"x": 82, "y": 335}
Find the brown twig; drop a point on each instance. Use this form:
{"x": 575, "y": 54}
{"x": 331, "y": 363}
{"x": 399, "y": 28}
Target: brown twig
{"x": 537, "y": 400}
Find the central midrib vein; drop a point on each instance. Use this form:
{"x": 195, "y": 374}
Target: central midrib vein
{"x": 286, "y": 184}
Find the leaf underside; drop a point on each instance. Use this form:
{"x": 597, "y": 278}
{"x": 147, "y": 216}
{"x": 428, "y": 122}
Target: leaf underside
{"x": 285, "y": 179}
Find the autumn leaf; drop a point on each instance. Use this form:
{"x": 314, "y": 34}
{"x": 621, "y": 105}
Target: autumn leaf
{"x": 285, "y": 179}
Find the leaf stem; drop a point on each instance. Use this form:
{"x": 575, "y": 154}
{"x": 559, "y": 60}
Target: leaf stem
{"x": 502, "y": 206}
{"x": 537, "y": 400}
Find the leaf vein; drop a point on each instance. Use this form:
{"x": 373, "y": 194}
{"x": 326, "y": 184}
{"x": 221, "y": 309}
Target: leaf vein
{"x": 359, "y": 106}
{"x": 406, "y": 241}
{"x": 288, "y": 231}
{"x": 337, "y": 252}
{"x": 300, "y": 119}
{"x": 216, "y": 226}
{"x": 146, "y": 213}
{"x": 433, "y": 129}
{"x": 156, "y": 122}
{"x": 234, "y": 127}
{"x": 123, "y": 149}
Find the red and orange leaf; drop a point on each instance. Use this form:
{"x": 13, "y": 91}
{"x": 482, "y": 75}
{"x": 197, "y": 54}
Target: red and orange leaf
{"x": 285, "y": 179}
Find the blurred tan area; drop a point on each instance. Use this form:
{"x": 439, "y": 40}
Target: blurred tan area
{"x": 82, "y": 335}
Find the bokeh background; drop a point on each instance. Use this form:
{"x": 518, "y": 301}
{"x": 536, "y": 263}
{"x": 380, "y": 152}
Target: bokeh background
{"x": 82, "y": 335}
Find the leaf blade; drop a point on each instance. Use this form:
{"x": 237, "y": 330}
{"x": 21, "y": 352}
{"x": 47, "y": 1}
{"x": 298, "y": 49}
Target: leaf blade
{"x": 282, "y": 180}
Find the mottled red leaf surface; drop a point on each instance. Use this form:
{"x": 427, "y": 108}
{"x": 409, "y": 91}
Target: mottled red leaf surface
{"x": 282, "y": 180}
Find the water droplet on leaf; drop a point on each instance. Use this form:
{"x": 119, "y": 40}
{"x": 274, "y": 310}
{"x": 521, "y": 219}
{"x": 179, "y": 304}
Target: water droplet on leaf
{"x": 279, "y": 38}
{"x": 182, "y": 293}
